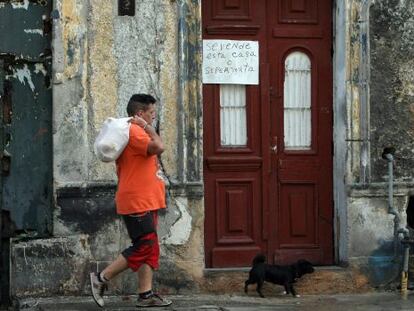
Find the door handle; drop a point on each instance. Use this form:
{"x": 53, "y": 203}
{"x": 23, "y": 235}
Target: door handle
{"x": 274, "y": 144}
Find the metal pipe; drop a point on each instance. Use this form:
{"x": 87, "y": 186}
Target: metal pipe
{"x": 404, "y": 273}
{"x": 391, "y": 209}
{"x": 406, "y": 257}
{"x": 390, "y": 160}
{"x": 398, "y": 230}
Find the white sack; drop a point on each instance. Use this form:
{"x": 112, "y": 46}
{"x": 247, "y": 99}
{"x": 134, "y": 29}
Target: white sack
{"x": 112, "y": 139}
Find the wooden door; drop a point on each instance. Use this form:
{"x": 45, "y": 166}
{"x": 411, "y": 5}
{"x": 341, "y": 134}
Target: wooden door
{"x": 268, "y": 147}
{"x": 299, "y": 45}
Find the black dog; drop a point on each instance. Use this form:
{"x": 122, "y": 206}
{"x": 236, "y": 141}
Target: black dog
{"x": 281, "y": 275}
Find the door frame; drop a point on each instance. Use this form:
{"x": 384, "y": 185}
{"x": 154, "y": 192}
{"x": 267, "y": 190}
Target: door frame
{"x": 4, "y": 241}
{"x": 190, "y": 95}
{"x": 339, "y": 97}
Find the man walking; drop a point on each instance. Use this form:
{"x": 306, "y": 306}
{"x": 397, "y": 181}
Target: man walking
{"x": 141, "y": 192}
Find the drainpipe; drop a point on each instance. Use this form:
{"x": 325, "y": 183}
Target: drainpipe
{"x": 400, "y": 233}
{"x": 404, "y": 274}
{"x": 388, "y": 154}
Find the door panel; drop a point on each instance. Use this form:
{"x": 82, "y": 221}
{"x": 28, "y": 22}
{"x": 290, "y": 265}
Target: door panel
{"x": 25, "y": 126}
{"x": 27, "y": 115}
{"x": 297, "y": 11}
{"x": 28, "y": 180}
{"x": 232, "y": 171}
{"x": 25, "y": 28}
{"x": 302, "y": 175}
{"x": 273, "y": 194}
{"x": 236, "y": 222}
{"x": 297, "y": 217}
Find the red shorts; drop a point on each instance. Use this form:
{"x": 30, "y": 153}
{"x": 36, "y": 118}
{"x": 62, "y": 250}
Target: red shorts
{"x": 144, "y": 250}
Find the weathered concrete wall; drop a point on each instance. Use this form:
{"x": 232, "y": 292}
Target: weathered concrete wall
{"x": 51, "y": 266}
{"x": 70, "y": 93}
{"x": 102, "y": 82}
{"x": 100, "y": 60}
{"x": 392, "y": 86}
{"x": 378, "y": 115}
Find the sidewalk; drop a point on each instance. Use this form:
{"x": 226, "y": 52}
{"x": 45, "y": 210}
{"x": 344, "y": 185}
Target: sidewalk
{"x": 361, "y": 302}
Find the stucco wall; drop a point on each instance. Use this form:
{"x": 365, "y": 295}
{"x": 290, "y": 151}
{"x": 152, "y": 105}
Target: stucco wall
{"x": 100, "y": 59}
{"x": 378, "y": 115}
{"x": 70, "y": 93}
{"x": 392, "y": 86}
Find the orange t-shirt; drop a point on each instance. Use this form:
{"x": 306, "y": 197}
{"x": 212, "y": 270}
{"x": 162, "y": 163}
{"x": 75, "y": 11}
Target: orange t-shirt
{"x": 139, "y": 187}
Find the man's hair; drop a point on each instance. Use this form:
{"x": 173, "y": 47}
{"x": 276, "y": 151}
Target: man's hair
{"x": 139, "y": 102}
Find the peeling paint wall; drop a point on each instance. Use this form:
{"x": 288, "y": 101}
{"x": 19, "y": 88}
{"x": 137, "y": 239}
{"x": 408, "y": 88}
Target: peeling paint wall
{"x": 100, "y": 59}
{"x": 55, "y": 266}
{"x": 102, "y": 81}
{"x": 372, "y": 231}
{"x": 378, "y": 114}
{"x": 392, "y": 86}
{"x": 70, "y": 93}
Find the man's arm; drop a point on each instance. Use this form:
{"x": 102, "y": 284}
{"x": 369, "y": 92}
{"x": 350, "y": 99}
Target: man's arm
{"x": 156, "y": 145}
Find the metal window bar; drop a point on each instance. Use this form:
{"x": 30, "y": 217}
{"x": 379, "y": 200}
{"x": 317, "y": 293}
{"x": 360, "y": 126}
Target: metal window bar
{"x": 297, "y": 102}
{"x": 233, "y": 127}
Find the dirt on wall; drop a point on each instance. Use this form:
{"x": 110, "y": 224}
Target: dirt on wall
{"x": 392, "y": 87}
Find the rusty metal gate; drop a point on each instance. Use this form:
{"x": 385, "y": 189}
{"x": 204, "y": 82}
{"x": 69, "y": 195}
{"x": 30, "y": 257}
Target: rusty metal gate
{"x": 25, "y": 126}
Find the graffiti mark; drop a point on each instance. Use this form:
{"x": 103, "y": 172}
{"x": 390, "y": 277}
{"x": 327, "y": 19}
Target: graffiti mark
{"x": 24, "y": 5}
{"x": 24, "y": 74}
{"x": 34, "y": 31}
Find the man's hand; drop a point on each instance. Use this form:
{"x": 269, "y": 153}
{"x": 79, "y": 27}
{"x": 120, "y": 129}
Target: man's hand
{"x": 139, "y": 121}
{"x": 155, "y": 146}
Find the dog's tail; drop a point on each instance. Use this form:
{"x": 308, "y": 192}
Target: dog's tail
{"x": 260, "y": 258}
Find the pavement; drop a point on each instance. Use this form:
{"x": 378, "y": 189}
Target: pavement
{"x": 378, "y": 301}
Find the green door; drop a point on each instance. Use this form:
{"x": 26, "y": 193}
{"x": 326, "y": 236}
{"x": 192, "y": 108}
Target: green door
{"x": 26, "y": 123}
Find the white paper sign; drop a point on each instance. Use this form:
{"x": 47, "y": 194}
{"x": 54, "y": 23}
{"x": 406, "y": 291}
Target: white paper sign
{"x": 230, "y": 62}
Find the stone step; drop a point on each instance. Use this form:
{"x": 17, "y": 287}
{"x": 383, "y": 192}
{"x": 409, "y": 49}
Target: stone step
{"x": 325, "y": 280}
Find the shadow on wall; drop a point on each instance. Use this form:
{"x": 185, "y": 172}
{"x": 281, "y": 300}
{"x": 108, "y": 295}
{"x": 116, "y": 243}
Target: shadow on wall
{"x": 410, "y": 225}
{"x": 385, "y": 263}
{"x": 410, "y": 215}
{"x": 383, "y": 266}
{"x": 170, "y": 279}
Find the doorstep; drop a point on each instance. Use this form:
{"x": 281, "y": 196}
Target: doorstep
{"x": 325, "y": 279}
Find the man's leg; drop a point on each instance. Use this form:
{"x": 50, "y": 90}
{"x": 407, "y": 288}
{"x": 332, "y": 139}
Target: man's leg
{"x": 99, "y": 280}
{"x": 147, "y": 298}
{"x": 144, "y": 278}
{"x": 117, "y": 266}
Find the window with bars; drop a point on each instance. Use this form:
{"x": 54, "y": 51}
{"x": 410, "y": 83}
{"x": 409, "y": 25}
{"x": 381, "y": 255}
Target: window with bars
{"x": 233, "y": 127}
{"x": 297, "y": 102}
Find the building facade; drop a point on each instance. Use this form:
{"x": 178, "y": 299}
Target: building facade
{"x": 291, "y": 166}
